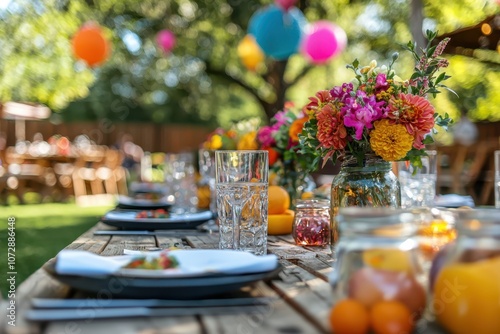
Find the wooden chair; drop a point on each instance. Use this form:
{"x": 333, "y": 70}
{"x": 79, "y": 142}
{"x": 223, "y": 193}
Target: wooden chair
{"x": 461, "y": 168}
{"x": 85, "y": 180}
{"x": 112, "y": 173}
{"x": 26, "y": 174}
{"x": 488, "y": 176}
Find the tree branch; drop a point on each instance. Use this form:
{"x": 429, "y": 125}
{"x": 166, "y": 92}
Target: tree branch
{"x": 299, "y": 76}
{"x": 223, "y": 74}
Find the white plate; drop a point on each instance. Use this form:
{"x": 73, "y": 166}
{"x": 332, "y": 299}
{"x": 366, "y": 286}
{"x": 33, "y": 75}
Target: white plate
{"x": 192, "y": 263}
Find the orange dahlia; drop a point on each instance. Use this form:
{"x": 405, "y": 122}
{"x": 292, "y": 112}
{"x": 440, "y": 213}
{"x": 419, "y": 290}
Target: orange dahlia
{"x": 316, "y": 102}
{"x": 415, "y": 113}
{"x": 296, "y": 128}
{"x": 331, "y": 130}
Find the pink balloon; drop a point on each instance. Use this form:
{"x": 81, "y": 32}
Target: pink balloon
{"x": 166, "y": 40}
{"x": 324, "y": 41}
{"x": 285, "y": 4}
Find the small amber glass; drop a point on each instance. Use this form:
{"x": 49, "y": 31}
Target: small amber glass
{"x": 436, "y": 230}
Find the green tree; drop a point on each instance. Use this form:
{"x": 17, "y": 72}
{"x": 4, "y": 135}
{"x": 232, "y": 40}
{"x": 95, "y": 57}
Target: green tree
{"x": 202, "y": 80}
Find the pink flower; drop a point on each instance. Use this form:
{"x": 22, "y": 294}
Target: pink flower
{"x": 265, "y": 136}
{"x": 341, "y": 92}
{"x": 361, "y": 111}
{"x": 381, "y": 82}
{"x": 280, "y": 118}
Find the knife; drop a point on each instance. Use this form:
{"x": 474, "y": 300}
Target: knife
{"x": 90, "y": 314}
{"x": 54, "y": 303}
{"x": 141, "y": 232}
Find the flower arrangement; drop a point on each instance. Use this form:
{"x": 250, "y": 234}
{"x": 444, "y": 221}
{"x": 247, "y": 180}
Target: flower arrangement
{"x": 241, "y": 136}
{"x": 281, "y": 140}
{"x": 281, "y": 137}
{"x": 379, "y": 114}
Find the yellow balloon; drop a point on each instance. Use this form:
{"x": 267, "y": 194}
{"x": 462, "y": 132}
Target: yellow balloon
{"x": 250, "y": 53}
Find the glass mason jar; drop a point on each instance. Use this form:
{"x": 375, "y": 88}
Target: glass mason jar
{"x": 378, "y": 260}
{"x": 371, "y": 185}
{"x": 465, "y": 275}
{"x": 294, "y": 180}
{"x": 311, "y": 225}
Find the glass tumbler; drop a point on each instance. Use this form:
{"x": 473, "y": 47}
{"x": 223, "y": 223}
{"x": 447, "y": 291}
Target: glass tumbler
{"x": 206, "y": 160}
{"x": 241, "y": 182}
{"x": 180, "y": 177}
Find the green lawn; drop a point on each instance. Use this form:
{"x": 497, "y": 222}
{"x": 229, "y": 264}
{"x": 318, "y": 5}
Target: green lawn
{"x": 42, "y": 230}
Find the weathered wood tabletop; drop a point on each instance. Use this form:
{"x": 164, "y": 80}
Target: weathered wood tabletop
{"x": 301, "y": 294}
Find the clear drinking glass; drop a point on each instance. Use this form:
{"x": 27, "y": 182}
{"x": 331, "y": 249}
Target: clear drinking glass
{"x": 418, "y": 188}
{"x": 206, "y": 160}
{"x": 241, "y": 182}
{"x": 180, "y": 177}
{"x": 497, "y": 179}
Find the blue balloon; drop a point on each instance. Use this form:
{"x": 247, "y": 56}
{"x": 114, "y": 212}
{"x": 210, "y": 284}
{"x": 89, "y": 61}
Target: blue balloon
{"x": 278, "y": 32}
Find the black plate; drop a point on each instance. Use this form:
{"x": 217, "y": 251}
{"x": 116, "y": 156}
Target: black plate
{"x": 125, "y": 202}
{"x": 125, "y": 219}
{"x": 165, "y": 288}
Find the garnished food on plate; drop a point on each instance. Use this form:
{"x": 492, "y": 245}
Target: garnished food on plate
{"x": 151, "y": 196}
{"x": 158, "y": 213}
{"x": 163, "y": 261}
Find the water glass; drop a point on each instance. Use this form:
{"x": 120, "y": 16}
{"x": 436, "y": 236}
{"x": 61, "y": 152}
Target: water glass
{"x": 418, "y": 186}
{"x": 497, "y": 179}
{"x": 180, "y": 178}
{"x": 241, "y": 182}
{"x": 206, "y": 159}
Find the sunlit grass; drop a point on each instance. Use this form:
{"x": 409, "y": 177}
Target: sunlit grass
{"x": 42, "y": 230}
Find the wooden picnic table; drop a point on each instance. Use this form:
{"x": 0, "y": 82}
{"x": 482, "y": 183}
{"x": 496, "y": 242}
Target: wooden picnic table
{"x": 301, "y": 295}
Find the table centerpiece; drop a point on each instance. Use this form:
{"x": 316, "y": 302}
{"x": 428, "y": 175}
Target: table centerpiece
{"x": 377, "y": 119}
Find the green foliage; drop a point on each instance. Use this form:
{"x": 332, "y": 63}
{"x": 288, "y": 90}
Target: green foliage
{"x": 202, "y": 80}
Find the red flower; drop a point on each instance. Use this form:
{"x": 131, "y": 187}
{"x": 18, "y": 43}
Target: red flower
{"x": 331, "y": 130}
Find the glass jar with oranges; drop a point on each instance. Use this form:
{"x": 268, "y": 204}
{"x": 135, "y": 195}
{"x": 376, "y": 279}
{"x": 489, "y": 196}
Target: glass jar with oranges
{"x": 465, "y": 275}
{"x": 378, "y": 268}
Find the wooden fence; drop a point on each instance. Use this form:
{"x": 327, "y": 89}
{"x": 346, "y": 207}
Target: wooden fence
{"x": 151, "y": 137}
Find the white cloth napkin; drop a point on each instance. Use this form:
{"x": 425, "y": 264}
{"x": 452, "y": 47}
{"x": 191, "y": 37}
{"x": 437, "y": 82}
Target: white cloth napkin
{"x": 454, "y": 201}
{"x": 191, "y": 261}
{"x": 75, "y": 262}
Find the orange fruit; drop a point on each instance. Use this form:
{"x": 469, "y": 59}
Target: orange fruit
{"x": 307, "y": 195}
{"x": 279, "y": 200}
{"x": 203, "y": 197}
{"x": 388, "y": 259}
{"x": 349, "y": 316}
{"x": 466, "y": 297}
{"x": 391, "y": 317}
{"x": 280, "y": 224}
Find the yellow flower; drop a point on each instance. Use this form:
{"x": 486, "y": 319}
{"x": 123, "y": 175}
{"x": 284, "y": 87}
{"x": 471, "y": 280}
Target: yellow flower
{"x": 390, "y": 141}
{"x": 215, "y": 142}
{"x": 248, "y": 141}
{"x": 370, "y": 68}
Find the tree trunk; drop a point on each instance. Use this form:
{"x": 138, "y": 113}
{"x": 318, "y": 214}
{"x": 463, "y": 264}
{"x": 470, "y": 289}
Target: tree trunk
{"x": 275, "y": 77}
{"x": 417, "y": 22}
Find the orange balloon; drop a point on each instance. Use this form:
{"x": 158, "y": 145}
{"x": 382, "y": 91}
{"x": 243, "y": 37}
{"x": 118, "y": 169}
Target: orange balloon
{"x": 250, "y": 53}
{"x": 90, "y": 45}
